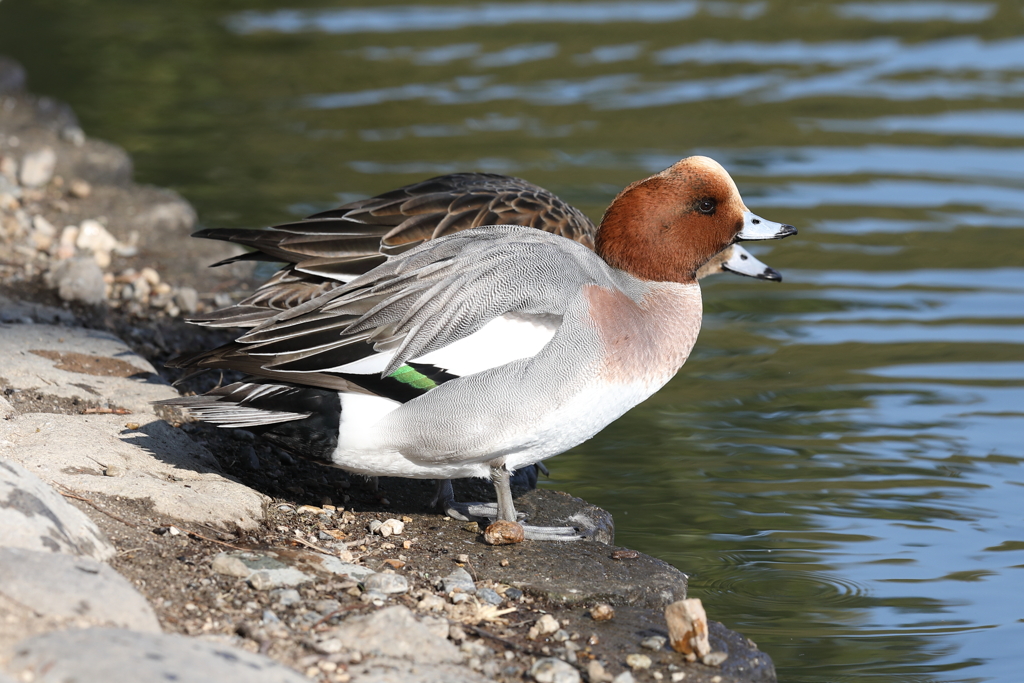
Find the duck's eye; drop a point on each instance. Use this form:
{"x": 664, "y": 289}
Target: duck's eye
{"x": 706, "y": 206}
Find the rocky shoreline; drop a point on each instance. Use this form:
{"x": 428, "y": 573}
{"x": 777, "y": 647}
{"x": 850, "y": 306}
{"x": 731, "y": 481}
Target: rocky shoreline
{"x": 135, "y": 545}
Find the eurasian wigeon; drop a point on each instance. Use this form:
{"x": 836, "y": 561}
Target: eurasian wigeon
{"x": 490, "y": 349}
{"x": 333, "y": 247}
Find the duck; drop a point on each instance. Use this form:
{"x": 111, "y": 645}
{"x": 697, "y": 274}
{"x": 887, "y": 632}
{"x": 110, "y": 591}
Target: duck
{"x": 329, "y": 249}
{"x": 488, "y": 349}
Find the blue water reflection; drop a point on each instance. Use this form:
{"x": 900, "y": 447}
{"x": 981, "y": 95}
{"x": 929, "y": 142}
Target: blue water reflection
{"x": 965, "y": 12}
{"x": 985, "y": 123}
{"x": 440, "y": 18}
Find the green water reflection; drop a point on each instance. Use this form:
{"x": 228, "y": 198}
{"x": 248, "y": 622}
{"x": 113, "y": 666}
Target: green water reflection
{"x": 838, "y": 465}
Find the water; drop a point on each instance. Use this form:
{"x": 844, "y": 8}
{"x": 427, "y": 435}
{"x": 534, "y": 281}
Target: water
{"x": 839, "y": 465}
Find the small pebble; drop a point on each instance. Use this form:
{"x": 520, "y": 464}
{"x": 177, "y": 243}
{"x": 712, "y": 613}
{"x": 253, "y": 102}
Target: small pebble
{"x": 431, "y": 603}
{"x": 388, "y": 584}
{"x": 37, "y": 167}
{"x": 553, "y": 670}
{"x": 43, "y": 226}
{"x": 459, "y": 581}
{"x": 602, "y": 612}
{"x": 391, "y": 527}
{"x": 229, "y": 566}
{"x": 596, "y": 672}
{"x": 79, "y": 279}
{"x": 625, "y": 554}
{"x": 504, "y": 533}
{"x": 150, "y": 275}
{"x": 547, "y": 624}
{"x": 715, "y": 658}
{"x": 9, "y": 167}
{"x": 488, "y": 596}
{"x": 678, "y": 676}
{"x": 286, "y": 596}
{"x": 327, "y": 606}
{"x": 92, "y": 236}
{"x": 114, "y": 470}
{"x": 376, "y": 598}
{"x": 471, "y": 527}
{"x": 186, "y": 299}
{"x": 638, "y": 661}
{"x": 624, "y": 677}
{"x": 79, "y": 188}
{"x": 653, "y": 643}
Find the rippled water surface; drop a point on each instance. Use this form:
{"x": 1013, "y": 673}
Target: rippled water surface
{"x": 838, "y": 466}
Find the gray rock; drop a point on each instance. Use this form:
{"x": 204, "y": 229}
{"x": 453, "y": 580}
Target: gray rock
{"x": 388, "y": 584}
{"x": 653, "y": 643}
{"x": 78, "y": 279}
{"x": 553, "y": 670}
{"x": 328, "y": 564}
{"x": 73, "y": 588}
{"x": 34, "y": 516}
{"x": 37, "y": 167}
{"x": 261, "y": 571}
{"x": 459, "y": 580}
{"x": 286, "y": 596}
{"x": 394, "y": 632}
{"x": 82, "y": 364}
{"x": 386, "y": 670}
{"x": 28, "y": 312}
{"x": 489, "y": 596}
{"x": 326, "y": 606}
{"x": 116, "y": 656}
{"x": 187, "y": 299}
{"x": 161, "y": 464}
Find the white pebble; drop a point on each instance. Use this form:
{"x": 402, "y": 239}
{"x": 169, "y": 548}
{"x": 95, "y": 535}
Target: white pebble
{"x": 638, "y": 661}
{"x": 43, "y": 226}
{"x": 547, "y": 624}
{"x": 552, "y": 670}
{"x": 37, "y": 167}
{"x": 391, "y": 526}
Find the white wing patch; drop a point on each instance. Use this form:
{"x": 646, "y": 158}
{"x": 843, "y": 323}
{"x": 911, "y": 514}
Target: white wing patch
{"x": 500, "y": 341}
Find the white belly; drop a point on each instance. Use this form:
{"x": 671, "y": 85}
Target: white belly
{"x": 366, "y": 443}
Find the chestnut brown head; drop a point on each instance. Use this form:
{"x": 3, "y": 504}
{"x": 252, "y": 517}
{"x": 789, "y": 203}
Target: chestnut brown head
{"x": 665, "y": 227}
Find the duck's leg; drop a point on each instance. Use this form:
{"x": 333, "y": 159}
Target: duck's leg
{"x": 507, "y": 511}
{"x": 444, "y": 498}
